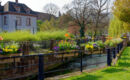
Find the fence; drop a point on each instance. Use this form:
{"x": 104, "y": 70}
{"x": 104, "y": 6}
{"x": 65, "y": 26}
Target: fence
{"x": 43, "y": 64}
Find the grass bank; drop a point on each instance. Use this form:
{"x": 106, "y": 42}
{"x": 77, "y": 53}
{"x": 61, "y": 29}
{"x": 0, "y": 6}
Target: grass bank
{"x": 119, "y": 72}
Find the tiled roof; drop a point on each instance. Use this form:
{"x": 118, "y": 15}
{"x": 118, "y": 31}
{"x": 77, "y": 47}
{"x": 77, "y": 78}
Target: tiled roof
{"x": 11, "y": 7}
{"x": 44, "y": 16}
{"x": 1, "y": 9}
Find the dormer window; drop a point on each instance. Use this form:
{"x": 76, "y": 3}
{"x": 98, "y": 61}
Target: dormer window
{"x": 27, "y": 10}
{"x": 17, "y": 8}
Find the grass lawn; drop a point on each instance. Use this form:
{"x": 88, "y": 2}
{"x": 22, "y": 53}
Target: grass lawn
{"x": 119, "y": 72}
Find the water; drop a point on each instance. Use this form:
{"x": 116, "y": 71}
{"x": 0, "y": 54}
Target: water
{"x": 90, "y": 62}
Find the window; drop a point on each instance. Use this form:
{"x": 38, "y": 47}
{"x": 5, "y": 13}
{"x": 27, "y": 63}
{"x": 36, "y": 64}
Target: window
{"x": 17, "y": 8}
{"x": 28, "y": 22}
{"x": 19, "y": 21}
{"x": 5, "y": 20}
{"x": 27, "y": 10}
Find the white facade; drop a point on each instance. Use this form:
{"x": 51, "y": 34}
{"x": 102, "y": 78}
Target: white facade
{"x": 11, "y": 25}
{"x": 17, "y": 16}
{"x": 0, "y": 23}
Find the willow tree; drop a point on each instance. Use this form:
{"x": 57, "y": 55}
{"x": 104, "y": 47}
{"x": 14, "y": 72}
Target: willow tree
{"x": 120, "y": 24}
{"x": 122, "y": 10}
{"x": 116, "y": 27}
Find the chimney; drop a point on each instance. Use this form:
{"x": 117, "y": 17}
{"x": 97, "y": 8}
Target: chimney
{"x": 16, "y": 1}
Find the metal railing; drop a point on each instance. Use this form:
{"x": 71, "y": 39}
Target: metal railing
{"x": 41, "y": 64}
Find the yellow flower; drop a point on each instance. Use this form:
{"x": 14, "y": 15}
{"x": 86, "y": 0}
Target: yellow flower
{"x": 10, "y": 50}
{"x": 5, "y": 49}
{"x": 87, "y": 46}
{"x": 13, "y": 46}
{"x": 62, "y": 41}
{"x": 92, "y": 38}
{"x": 91, "y": 47}
{"x": 15, "y": 49}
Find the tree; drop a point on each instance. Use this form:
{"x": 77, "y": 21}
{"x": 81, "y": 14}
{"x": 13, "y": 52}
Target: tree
{"x": 59, "y": 14}
{"x": 49, "y": 25}
{"x": 116, "y": 27}
{"x": 99, "y": 14}
{"x": 51, "y": 8}
{"x": 63, "y": 21}
{"x": 121, "y": 9}
{"x": 39, "y": 23}
{"x": 80, "y": 11}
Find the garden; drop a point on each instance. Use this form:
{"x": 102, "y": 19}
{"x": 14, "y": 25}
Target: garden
{"x": 71, "y": 43}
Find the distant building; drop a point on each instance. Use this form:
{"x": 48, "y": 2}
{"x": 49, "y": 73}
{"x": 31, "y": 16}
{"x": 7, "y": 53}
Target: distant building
{"x": 44, "y": 16}
{"x": 17, "y": 16}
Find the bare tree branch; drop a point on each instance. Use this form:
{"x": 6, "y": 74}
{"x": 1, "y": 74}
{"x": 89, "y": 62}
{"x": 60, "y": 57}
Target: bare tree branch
{"x": 51, "y": 9}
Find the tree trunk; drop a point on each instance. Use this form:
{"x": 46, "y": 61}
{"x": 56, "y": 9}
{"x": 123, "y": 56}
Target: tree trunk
{"x": 82, "y": 33}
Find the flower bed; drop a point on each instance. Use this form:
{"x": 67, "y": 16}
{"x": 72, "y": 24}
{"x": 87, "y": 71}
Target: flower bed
{"x": 9, "y": 50}
{"x": 98, "y": 46}
{"x": 93, "y": 47}
{"x": 113, "y": 42}
{"x": 66, "y": 47}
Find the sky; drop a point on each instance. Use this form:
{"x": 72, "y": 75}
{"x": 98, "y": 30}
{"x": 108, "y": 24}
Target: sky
{"x": 37, "y": 5}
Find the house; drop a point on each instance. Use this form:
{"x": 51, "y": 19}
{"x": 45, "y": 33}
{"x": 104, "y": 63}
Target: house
{"x": 17, "y": 16}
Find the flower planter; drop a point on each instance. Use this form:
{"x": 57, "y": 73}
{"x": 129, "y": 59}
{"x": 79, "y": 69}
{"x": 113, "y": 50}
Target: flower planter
{"x": 10, "y": 60}
{"x": 70, "y": 53}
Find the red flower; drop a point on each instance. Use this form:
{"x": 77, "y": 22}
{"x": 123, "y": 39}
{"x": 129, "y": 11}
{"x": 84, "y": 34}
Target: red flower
{"x": 66, "y": 35}
{"x": 1, "y": 38}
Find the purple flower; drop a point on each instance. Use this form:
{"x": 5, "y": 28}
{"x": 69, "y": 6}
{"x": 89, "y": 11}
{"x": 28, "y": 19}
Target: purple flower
{"x": 77, "y": 47}
{"x": 95, "y": 45}
{"x": 1, "y": 51}
{"x": 19, "y": 50}
{"x": 56, "y": 48}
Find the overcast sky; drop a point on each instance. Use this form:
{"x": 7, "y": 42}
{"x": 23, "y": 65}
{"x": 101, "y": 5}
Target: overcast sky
{"x": 37, "y": 5}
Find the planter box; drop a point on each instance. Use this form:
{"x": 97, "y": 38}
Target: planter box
{"x": 10, "y": 60}
{"x": 67, "y": 54}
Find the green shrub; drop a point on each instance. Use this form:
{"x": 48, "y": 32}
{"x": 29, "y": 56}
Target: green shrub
{"x": 113, "y": 42}
{"x": 18, "y": 36}
{"x": 51, "y": 35}
{"x": 100, "y": 44}
{"x": 39, "y": 36}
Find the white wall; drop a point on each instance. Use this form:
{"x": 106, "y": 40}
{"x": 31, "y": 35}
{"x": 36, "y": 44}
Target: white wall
{"x": 11, "y": 23}
{"x": 5, "y": 27}
{"x": 0, "y": 23}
